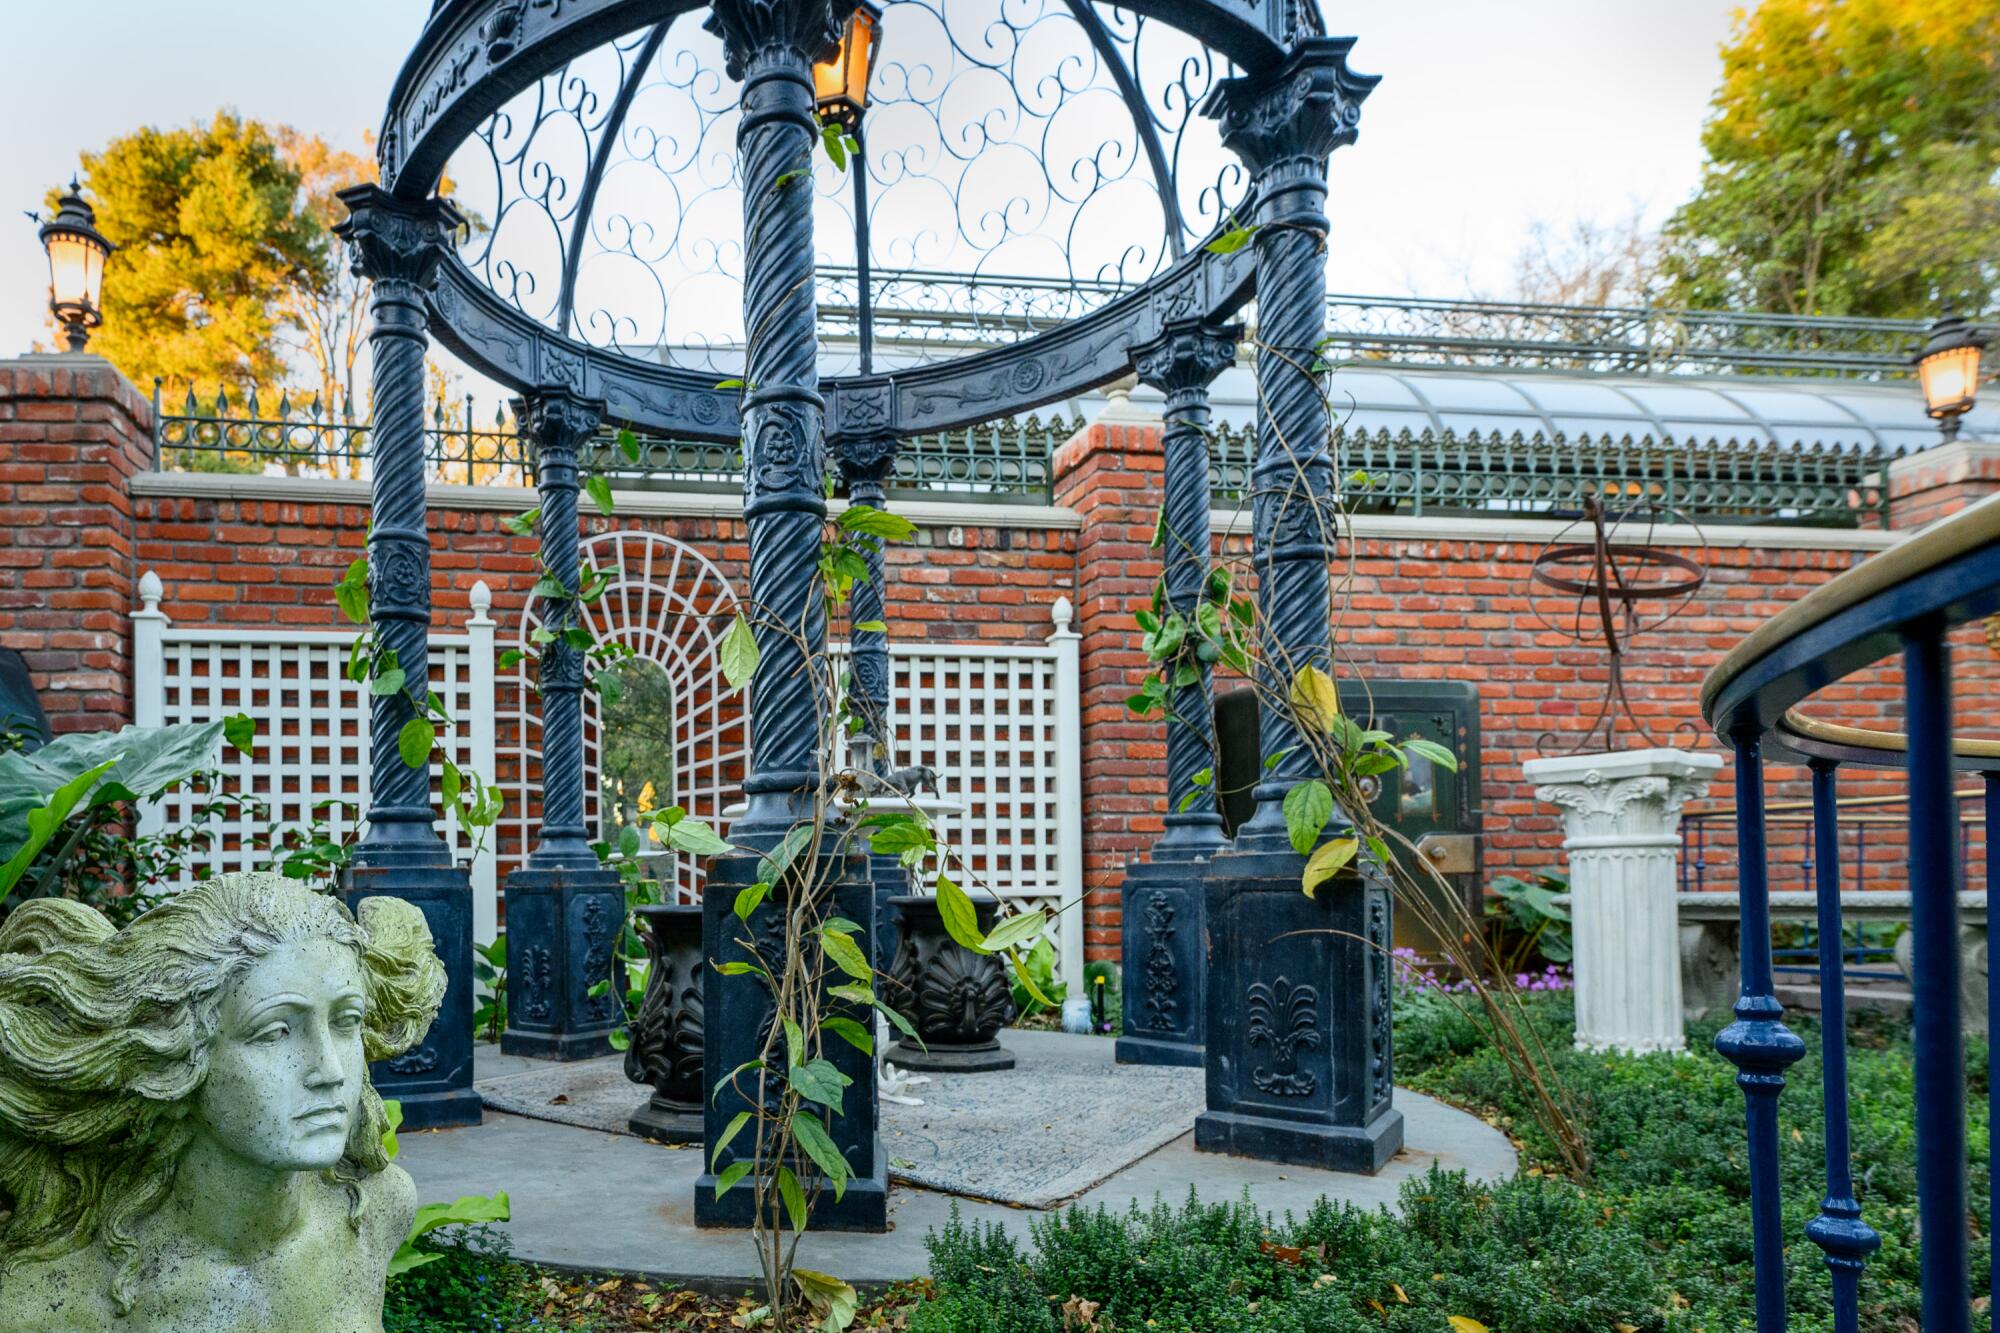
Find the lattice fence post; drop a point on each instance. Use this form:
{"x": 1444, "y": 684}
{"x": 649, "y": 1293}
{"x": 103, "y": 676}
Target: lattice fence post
{"x": 149, "y": 677}
{"x": 1069, "y": 789}
{"x": 482, "y": 710}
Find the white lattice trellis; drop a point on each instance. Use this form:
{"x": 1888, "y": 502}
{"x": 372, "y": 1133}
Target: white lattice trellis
{"x": 312, "y": 728}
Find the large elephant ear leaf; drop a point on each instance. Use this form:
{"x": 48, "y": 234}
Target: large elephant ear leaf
{"x": 25, "y": 831}
{"x": 147, "y": 761}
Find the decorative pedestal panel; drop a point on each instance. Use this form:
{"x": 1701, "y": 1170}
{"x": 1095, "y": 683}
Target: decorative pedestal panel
{"x": 1299, "y": 1058}
{"x": 1165, "y": 963}
{"x": 667, "y": 1035}
{"x": 562, "y": 931}
{"x": 433, "y": 1081}
{"x": 737, "y": 1022}
{"x": 956, "y": 999}
{"x": 1621, "y": 818}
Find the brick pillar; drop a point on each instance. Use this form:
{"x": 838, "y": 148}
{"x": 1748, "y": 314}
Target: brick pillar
{"x": 1942, "y": 480}
{"x": 72, "y": 432}
{"x": 1110, "y": 473}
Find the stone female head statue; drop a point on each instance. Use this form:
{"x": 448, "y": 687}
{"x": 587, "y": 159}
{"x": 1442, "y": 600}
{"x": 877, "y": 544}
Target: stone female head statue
{"x": 188, "y": 1098}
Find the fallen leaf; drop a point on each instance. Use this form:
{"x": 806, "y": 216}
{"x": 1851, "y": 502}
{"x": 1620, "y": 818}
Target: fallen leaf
{"x": 1284, "y": 1254}
{"x": 1461, "y": 1324}
{"x": 1402, "y": 1297}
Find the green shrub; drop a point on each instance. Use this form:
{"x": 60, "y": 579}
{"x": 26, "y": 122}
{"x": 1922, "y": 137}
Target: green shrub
{"x": 471, "y": 1288}
{"x": 1659, "y": 1239}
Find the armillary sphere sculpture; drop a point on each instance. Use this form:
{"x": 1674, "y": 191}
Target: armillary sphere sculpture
{"x": 1622, "y": 588}
{"x": 644, "y": 230}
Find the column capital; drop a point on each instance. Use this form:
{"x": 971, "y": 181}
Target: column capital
{"x": 1629, "y": 794}
{"x": 1286, "y": 123}
{"x": 1188, "y": 355}
{"x": 396, "y": 240}
{"x": 559, "y": 419}
{"x": 798, "y": 29}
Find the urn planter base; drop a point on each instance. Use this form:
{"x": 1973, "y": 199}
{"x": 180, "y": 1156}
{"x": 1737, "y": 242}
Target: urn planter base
{"x": 562, "y": 930}
{"x": 1298, "y": 1060}
{"x": 665, "y": 1122}
{"x": 666, "y": 1036}
{"x": 987, "y": 1059}
{"x": 1164, "y": 963}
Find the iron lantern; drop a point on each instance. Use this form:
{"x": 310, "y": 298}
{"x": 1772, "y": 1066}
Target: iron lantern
{"x": 77, "y": 252}
{"x": 1948, "y": 369}
{"x": 840, "y": 84}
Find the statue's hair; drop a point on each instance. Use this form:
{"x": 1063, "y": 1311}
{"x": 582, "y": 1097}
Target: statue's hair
{"x": 105, "y": 1037}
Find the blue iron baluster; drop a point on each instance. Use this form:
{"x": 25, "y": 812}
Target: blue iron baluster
{"x": 1838, "y": 1230}
{"x": 1940, "y": 1053}
{"x": 1758, "y": 1043}
{"x": 1992, "y": 1027}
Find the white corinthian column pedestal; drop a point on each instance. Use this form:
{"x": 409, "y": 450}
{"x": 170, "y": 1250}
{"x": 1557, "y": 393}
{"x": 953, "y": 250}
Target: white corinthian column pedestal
{"x": 1621, "y": 820}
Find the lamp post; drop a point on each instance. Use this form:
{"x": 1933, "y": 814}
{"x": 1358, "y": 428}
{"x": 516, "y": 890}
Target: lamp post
{"x": 840, "y": 91}
{"x": 1948, "y": 369}
{"x": 77, "y": 252}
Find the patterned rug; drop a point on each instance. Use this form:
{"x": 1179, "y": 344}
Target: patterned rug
{"x": 1061, "y": 1121}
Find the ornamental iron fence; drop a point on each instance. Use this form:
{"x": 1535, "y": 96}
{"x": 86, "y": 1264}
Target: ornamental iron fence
{"x": 1009, "y": 461}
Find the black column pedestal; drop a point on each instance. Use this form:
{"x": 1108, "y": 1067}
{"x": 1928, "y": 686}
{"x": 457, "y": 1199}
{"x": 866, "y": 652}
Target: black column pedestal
{"x": 432, "y": 1081}
{"x": 1165, "y": 963}
{"x": 562, "y": 929}
{"x": 736, "y": 1022}
{"x": 1299, "y": 1060}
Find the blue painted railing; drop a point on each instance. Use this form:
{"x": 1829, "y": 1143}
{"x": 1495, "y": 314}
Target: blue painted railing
{"x": 1903, "y": 602}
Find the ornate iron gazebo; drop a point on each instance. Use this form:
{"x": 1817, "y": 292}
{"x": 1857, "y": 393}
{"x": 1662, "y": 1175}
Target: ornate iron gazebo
{"x": 617, "y": 166}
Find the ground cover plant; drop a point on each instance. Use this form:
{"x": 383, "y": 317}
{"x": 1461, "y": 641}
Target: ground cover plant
{"x": 1657, "y": 1239}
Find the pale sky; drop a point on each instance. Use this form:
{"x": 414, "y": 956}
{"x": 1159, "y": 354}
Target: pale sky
{"x": 1491, "y": 114}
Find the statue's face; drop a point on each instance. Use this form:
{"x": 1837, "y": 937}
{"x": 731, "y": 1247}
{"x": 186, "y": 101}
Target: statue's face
{"x": 285, "y": 1075}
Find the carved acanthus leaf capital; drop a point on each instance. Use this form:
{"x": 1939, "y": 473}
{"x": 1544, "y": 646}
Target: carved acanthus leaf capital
{"x": 559, "y": 421}
{"x": 1649, "y": 804}
{"x": 1293, "y": 118}
{"x": 1188, "y": 354}
{"x": 396, "y": 240}
{"x": 807, "y": 29}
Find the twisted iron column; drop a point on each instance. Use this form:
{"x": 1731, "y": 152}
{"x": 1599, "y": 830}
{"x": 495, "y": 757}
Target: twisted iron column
{"x": 559, "y": 423}
{"x": 397, "y": 246}
{"x": 564, "y": 910}
{"x": 770, "y": 45}
{"x": 1309, "y": 1078}
{"x": 1181, "y": 364}
{"x": 1285, "y": 126}
{"x": 865, "y": 462}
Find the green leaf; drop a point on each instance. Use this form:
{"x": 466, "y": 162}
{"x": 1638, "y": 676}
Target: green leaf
{"x": 1204, "y": 777}
{"x": 1308, "y": 805}
{"x": 736, "y": 1125}
{"x": 730, "y": 384}
{"x": 835, "y": 144}
{"x": 834, "y": 1301}
{"x": 872, "y": 627}
{"x": 902, "y": 1024}
{"x": 739, "y": 653}
{"x": 696, "y": 839}
{"x": 392, "y": 1111}
{"x": 387, "y": 683}
{"x": 732, "y": 1175}
{"x": 599, "y": 989}
{"x": 415, "y": 740}
{"x": 629, "y": 842}
{"x": 898, "y": 834}
{"x": 812, "y": 1137}
{"x": 1027, "y": 980}
{"x": 628, "y": 444}
{"x": 240, "y": 730}
{"x": 794, "y": 1197}
{"x": 467, "y": 1210}
{"x": 1327, "y": 861}
{"x": 1432, "y": 751}
{"x": 747, "y": 900}
{"x": 41, "y": 823}
{"x": 779, "y": 859}
{"x": 738, "y": 969}
{"x": 453, "y": 783}
{"x": 846, "y": 954}
{"x": 599, "y": 490}
{"x": 855, "y": 1034}
{"x": 610, "y": 687}
{"x": 351, "y": 593}
{"x": 819, "y": 1081}
{"x": 1020, "y": 930}
{"x": 1229, "y": 242}
{"x": 876, "y": 523}
{"x": 550, "y": 588}
{"x": 961, "y": 918}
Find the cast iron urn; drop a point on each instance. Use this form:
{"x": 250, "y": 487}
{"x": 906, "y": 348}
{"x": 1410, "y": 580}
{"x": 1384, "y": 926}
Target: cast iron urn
{"x": 667, "y": 1034}
{"x": 956, "y": 999}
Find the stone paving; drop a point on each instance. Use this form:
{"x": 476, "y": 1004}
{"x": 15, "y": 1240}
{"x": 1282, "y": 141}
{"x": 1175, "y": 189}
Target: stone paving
{"x": 583, "y": 1198}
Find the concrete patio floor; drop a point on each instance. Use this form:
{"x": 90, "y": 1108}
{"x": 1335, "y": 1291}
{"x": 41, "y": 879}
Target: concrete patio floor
{"x": 585, "y": 1199}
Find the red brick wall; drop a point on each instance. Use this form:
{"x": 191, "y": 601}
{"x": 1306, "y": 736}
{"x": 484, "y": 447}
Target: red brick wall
{"x": 1942, "y": 481}
{"x": 72, "y": 434}
{"x": 72, "y": 430}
